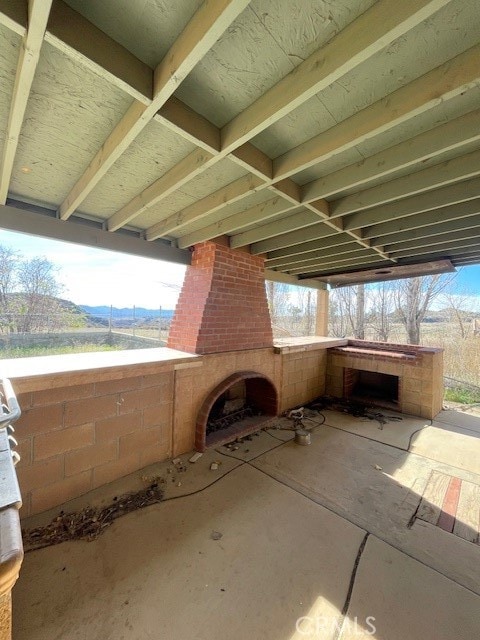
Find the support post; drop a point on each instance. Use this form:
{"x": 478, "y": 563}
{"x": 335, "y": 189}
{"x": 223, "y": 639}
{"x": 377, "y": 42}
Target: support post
{"x": 321, "y": 318}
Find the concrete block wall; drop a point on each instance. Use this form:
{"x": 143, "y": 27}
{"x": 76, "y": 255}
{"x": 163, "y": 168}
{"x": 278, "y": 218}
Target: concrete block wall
{"x": 422, "y": 386}
{"x": 77, "y": 437}
{"x": 79, "y": 431}
{"x": 303, "y": 377}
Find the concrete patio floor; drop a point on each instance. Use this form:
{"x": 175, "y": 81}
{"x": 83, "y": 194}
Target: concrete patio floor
{"x": 317, "y": 542}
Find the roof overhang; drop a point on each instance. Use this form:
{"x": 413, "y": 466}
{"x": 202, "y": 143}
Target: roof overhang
{"x": 396, "y": 272}
{"x": 328, "y": 141}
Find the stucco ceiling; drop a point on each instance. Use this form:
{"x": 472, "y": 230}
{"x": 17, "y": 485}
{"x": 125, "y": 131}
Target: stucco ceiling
{"x": 328, "y": 135}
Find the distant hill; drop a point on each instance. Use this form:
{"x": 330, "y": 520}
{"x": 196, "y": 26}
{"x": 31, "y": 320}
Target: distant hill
{"x": 445, "y": 315}
{"x": 100, "y": 316}
{"x": 126, "y": 312}
{"x": 18, "y": 299}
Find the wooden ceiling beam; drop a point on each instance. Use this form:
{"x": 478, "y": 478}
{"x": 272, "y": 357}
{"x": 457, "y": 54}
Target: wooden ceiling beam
{"x": 190, "y": 125}
{"x": 441, "y": 84}
{"x": 420, "y": 149}
{"x": 439, "y": 175}
{"x": 310, "y": 246}
{"x": 178, "y": 175}
{"x": 448, "y": 214}
{"x": 242, "y": 219}
{"x": 437, "y": 226}
{"x": 76, "y": 37}
{"x": 442, "y": 239}
{"x": 445, "y": 248}
{"x": 364, "y": 242}
{"x": 79, "y": 39}
{"x": 451, "y": 194}
{"x": 380, "y": 25}
{"x": 232, "y": 192}
{"x": 38, "y": 12}
{"x": 325, "y": 275}
{"x": 66, "y": 33}
{"x": 337, "y": 225}
{"x": 470, "y": 260}
{"x": 328, "y": 260}
{"x": 387, "y": 20}
{"x": 14, "y": 15}
{"x": 207, "y": 25}
{"x": 346, "y": 263}
{"x": 284, "y": 225}
{"x": 300, "y": 258}
{"x": 200, "y": 34}
{"x": 315, "y": 232}
{"x": 206, "y": 206}
{"x": 301, "y": 220}
{"x": 36, "y": 221}
{"x": 458, "y": 255}
{"x": 248, "y": 156}
{"x": 451, "y": 135}
{"x": 276, "y": 276}
{"x": 292, "y": 223}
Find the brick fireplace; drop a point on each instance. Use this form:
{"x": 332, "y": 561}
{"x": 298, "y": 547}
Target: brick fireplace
{"x": 407, "y": 378}
{"x": 223, "y": 304}
{"x": 223, "y": 308}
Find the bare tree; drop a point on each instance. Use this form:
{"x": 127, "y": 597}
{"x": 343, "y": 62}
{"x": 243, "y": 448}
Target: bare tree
{"x": 359, "y": 328}
{"x": 336, "y": 316}
{"x": 381, "y": 304}
{"x": 310, "y": 313}
{"x": 278, "y": 297}
{"x": 458, "y": 304}
{"x": 28, "y": 295}
{"x": 8, "y": 263}
{"x": 413, "y": 298}
{"x": 270, "y": 287}
{"x": 303, "y": 311}
{"x": 292, "y": 308}
{"x": 347, "y": 312}
{"x": 37, "y": 306}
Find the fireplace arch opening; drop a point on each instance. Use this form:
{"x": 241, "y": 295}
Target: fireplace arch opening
{"x": 236, "y": 407}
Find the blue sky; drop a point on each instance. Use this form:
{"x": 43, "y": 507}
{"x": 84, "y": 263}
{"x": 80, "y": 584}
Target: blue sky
{"x": 94, "y": 277}
{"x": 470, "y": 279}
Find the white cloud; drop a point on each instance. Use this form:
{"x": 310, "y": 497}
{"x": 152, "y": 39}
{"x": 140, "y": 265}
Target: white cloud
{"x": 97, "y": 277}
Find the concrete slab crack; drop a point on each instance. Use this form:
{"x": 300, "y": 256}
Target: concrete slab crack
{"x": 351, "y": 585}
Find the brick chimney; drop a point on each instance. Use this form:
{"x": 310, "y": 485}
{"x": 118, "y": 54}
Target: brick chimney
{"x": 223, "y": 304}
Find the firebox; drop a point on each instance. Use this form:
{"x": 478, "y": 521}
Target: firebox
{"x": 238, "y": 406}
{"x": 372, "y": 387}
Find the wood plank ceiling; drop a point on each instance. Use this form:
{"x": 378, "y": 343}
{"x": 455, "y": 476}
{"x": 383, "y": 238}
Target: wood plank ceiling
{"x": 330, "y": 136}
